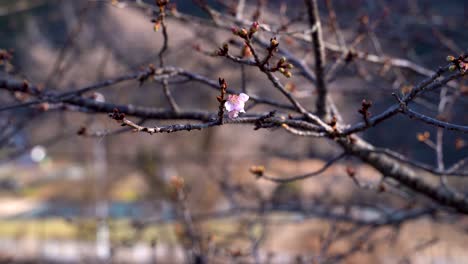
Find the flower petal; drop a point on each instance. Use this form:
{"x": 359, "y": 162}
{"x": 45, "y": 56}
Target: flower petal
{"x": 239, "y": 106}
{"x": 229, "y": 106}
{"x": 243, "y": 97}
{"x": 233, "y": 114}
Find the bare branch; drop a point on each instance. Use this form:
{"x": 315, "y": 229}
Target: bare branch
{"x": 431, "y": 121}
{"x": 319, "y": 52}
{"x": 304, "y": 176}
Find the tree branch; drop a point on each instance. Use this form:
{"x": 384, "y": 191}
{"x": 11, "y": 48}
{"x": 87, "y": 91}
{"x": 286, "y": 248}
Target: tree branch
{"x": 319, "y": 52}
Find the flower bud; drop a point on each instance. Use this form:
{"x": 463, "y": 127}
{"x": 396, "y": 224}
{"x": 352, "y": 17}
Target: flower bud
{"x": 242, "y": 33}
{"x": 157, "y": 26}
{"x": 423, "y": 136}
{"x": 463, "y": 66}
{"x": 274, "y": 43}
{"x": 246, "y": 52}
{"x": 254, "y": 27}
{"x": 257, "y": 170}
{"x": 350, "y": 171}
{"x": 450, "y": 58}
{"x": 223, "y": 51}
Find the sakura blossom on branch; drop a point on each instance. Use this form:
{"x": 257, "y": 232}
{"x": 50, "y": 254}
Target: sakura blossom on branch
{"x": 235, "y": 104}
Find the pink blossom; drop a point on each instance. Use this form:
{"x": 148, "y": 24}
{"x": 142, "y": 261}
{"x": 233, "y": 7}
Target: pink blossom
{"x": 235, "y": 104}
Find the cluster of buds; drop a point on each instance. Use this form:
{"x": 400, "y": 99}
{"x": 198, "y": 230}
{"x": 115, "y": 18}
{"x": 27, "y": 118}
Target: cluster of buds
{"x": 271, "y": 49}
{"x": 273, "y": 45}
{"x": 244, "y": 33}
{"x": 223, "y": 51}
{"x": 223, "y": 88}
{"x": 220, "y": 98}
{"x": 117, "y": 115}
{"x": 283, "y": 66}
{"x": 162, "y": 4}
{"x": 241, "y": 32}
{"x": 364, "y": 111}
{"x": 157, "y": 22}
{"x": 422, "y": 137}
{"x": 458, "y": 63}
{"x": 257, "y": 170}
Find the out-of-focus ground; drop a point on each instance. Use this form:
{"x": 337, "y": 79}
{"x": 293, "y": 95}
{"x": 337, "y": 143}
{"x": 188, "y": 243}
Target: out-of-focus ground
{"x": 64, "y": 230}
{"x": 48, "y": 209}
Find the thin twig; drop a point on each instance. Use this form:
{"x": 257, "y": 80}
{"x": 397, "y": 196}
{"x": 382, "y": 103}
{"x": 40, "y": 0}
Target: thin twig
{"x": 307, "y": 175}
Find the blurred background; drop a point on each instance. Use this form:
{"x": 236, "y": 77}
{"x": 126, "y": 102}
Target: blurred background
{"x": 67, "y": 198}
